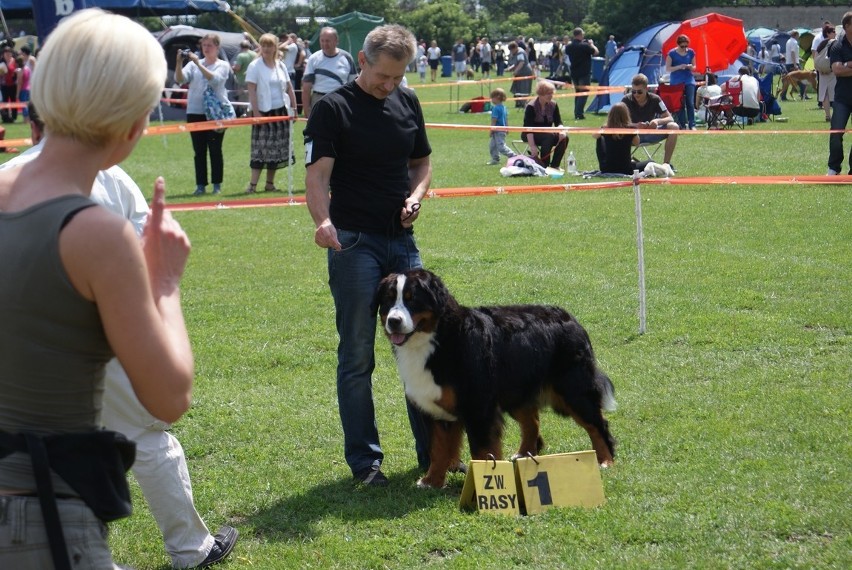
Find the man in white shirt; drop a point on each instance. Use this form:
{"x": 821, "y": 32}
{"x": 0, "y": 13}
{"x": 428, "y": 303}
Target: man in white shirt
{"x": 748, "y": 103}
{"x": 289, "y": 49}
{"x": 327, "y": 70}
{"x": 791, "y": 51}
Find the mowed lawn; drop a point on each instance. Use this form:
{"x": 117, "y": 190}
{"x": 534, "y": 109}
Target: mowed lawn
{"x": 733, "y": 420}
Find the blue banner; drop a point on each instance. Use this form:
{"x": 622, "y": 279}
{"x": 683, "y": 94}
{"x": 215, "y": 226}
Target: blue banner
{"x": 47, "y": 14}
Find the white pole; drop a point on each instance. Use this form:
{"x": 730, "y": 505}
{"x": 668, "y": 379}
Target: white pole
{"x": 290, "y": 164}
{"x": 640, "y": 247}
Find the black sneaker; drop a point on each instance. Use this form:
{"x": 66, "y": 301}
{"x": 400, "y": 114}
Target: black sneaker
{"x": 372, "y": 476}
{"x": 223, "y": 544}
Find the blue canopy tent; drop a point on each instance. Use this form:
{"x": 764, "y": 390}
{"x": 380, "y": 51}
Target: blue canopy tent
{"x": 642, "y": 54}
{"x": 757, "y": 36}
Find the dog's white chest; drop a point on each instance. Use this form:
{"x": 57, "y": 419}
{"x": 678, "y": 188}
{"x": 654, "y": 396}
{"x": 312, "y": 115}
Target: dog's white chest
{"x": 418, "y": 381}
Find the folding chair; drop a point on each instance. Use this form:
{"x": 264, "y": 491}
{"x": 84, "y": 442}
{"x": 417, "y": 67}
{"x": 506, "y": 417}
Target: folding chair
{"x": 718, "y": 109}
{"x": 649, "y": 148}
{"x": 735, "y": 91}
{"x": 672, "y": 96}
{"x": 520, "y": 146}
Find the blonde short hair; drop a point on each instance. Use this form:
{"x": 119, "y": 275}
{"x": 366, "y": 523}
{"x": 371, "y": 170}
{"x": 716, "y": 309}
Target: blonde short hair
{"x": 544, "y": 87}
{"x": 98, "y": 74}
{"x": 268, "y": 40}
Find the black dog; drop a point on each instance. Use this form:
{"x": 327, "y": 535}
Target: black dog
{"x": 464, "y": 367}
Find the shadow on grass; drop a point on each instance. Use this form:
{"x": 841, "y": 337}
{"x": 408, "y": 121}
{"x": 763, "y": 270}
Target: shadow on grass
{"x": 295, "y": 518}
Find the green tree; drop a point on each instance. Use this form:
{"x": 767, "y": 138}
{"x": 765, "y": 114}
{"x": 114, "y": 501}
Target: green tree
{"x": 625, "y": 18}
{"x": 388, "y": 9}
{"x": 441, "y": 20}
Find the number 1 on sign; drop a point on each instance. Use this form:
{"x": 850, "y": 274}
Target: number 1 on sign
{"x": 542, "y": 483}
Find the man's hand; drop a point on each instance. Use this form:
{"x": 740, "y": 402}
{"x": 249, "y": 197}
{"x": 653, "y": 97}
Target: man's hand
{"x": 409, "y": 212}
{"x": 325, "y": 236}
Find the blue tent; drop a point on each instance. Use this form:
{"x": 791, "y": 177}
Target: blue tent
{"x": 641, "y": 54}
{"x": 756, "y": 36}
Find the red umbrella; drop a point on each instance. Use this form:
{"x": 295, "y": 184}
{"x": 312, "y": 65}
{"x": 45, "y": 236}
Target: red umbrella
{"x": 716, "y": 39}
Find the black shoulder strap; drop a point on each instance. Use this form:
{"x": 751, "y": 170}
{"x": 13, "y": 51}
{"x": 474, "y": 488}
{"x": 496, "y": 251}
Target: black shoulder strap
{"x": 47, "y": 500}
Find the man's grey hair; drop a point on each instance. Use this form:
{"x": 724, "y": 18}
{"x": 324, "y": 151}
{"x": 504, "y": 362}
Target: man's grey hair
{"x": 328, "y": 30}
{"x": 393, "y": 40}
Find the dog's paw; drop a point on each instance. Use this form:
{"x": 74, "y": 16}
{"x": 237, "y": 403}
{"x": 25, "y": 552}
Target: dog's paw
{"x": 606, "y": 464}
{"x": 426, "y": 483}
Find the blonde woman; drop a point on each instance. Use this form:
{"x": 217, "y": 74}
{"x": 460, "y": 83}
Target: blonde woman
{"x": 546, "y": 148}
{"x": 76, "y": 288}
{"x": 271, "y": 94}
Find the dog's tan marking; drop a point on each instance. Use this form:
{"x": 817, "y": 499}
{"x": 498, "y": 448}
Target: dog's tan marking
{"x": 444, "y": 449}
{"x": 531, "y": 441}
{"x": 560, "y": 406}
{"x": 447, "y": 401}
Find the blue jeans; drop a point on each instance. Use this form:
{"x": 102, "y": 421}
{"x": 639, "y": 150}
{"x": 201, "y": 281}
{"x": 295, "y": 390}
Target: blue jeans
{"x": 353, "y": 276}
{"x": 840, "y": 113}
{"x": 686, "y": 116}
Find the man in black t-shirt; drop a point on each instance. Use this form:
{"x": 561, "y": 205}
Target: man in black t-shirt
{"x": 647, "y": 111}
{"x": 841, "y": 65}
{"x": 368, "y": 168}
{"x": 581, "y": 52}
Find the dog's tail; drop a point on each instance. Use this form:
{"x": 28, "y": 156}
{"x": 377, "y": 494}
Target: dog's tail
{"x": 606, "y": 390}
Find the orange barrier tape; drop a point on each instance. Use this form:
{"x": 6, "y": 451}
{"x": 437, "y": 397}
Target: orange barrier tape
{"x": 602, "y": 130}
{"x": 210, "y": 125}
{"x": 446, "y": 84}
{"x": 539, "y": 188}
{"x": 10, "y": 143}
{"x": 840, "y": 179}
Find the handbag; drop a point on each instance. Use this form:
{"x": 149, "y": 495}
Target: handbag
{"x": 215, "y": 109}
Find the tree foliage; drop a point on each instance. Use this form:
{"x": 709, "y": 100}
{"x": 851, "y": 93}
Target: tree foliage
{"x": 624, "y": 18}
{"x": 442, "y": 20}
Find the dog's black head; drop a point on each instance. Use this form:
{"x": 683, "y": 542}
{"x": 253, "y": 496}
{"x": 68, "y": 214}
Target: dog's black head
{"x": 411, "y": 302}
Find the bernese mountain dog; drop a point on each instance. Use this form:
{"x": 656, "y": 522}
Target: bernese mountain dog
{"x": 464, "y": 367}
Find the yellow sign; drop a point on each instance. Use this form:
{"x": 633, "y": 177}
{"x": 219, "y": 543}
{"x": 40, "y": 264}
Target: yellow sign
{"x": 561, "y": 480}
{"x": 490, "y": 487}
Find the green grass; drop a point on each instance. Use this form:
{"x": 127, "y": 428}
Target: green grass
{"x": 733, "y": 420}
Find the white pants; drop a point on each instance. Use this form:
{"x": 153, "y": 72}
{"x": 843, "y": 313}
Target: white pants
{"x": 160, "y": 469}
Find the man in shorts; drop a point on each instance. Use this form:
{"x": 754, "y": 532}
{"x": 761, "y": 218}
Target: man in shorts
{"x": 647, "y": 111}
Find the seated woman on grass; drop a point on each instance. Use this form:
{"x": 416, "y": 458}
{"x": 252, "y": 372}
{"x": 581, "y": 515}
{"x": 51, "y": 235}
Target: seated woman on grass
{"x": 546, "y": 148}
{"x": 614, "y": 150}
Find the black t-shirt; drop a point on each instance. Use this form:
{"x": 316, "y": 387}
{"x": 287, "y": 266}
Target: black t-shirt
{"x": 580, "y": 53}
{"x": 616, "y": 154}
{"x": 841, "y": 51}
{"x": 371, "y": 141}
{"x": 653, "y": 108}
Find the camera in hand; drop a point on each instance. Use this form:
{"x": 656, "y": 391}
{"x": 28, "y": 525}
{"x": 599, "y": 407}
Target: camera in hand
{"x": 185, "y": 53}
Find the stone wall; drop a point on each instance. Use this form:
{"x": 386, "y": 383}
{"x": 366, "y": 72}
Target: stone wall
{"x": 781, "y": 18}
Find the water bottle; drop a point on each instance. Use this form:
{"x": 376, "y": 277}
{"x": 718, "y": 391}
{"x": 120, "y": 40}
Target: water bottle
{"x": 572, "y": 163}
